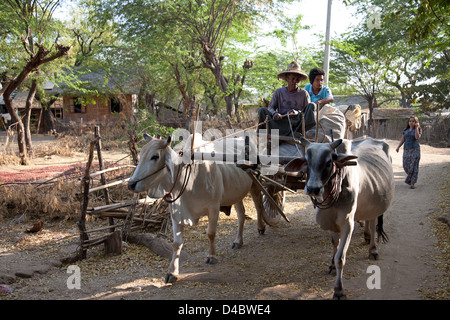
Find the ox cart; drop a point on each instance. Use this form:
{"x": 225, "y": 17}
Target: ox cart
{"x": 267, "y": 169}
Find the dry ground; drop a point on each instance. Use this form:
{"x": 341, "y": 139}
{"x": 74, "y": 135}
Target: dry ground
{"x": 289, "y": 262}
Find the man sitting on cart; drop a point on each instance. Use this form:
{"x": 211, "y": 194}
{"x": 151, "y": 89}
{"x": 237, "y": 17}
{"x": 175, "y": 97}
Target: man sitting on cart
{"x": 288, "y": 103}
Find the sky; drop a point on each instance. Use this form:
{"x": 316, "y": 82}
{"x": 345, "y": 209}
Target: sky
{"x": 314, "y": 14}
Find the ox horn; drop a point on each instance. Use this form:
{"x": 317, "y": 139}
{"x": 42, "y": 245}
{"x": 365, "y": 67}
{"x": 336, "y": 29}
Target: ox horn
{"x": 169, "y": 139}
{"x": 305, "y": 142}
{"x": 147, "y": 137}
{"x": 335, "y": 144}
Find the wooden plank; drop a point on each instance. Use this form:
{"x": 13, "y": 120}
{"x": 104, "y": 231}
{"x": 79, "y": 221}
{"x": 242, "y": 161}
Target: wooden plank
{"x": 277, "y": 184}
{"x": 102, "y": 175}
{"x": 94, "y": 174}
{"x": 123, "y": 215}
{"x": 113, "y": 244}
{"x": 96, "y": 210}
{"x": 104, "y": 228}
{"x": 94, "y": 242}
{"x": 269, "y": 196}
{"x": 147, "y": 220}
{"x": 82, "y": 218}
{"x": 118, "y": 214}
{"x": 115, "y": 183}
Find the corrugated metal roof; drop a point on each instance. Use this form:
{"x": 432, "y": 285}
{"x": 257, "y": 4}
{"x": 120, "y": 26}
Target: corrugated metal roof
{"x": 390, "y": 113}
{"x": 341, "y": 100}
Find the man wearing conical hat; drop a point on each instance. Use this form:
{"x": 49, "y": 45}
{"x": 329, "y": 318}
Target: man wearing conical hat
{"x": 290, "y": 101}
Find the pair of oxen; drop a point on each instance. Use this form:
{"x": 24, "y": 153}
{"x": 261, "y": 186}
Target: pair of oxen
{"x": 348, "y": 181}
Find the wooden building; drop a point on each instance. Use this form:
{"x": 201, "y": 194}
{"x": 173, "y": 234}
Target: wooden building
{"x": 112, "y": 99}
{"x": 95, "y": 109}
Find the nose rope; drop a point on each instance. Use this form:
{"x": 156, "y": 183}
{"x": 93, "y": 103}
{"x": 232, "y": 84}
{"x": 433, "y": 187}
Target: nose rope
{"x": 149, "y": 175}
{"x": 333, "y": 195}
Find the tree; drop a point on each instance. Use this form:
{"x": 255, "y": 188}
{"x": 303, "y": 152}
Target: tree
{"x": 413, "y": 36}
{"x": 424, "y": 18}
{"x": 427, "y": 26}
{"x": 30, "y": 21}
{"x": 189, "y": 50}
{"x": 361, "y": 68}
{"x": 209, "y": 25}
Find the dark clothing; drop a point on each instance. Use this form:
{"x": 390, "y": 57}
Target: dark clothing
{"x": 410, "y": 139}
{"x": 283, "y": 124}
{"x": 411, "y": 159}
{"x": 411, "y": 156}
{"x": 284, "y": 101}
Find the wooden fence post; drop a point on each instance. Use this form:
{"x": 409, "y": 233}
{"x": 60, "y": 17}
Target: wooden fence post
{"x": 102, "y": 176}
{"x": 84, "y": 203}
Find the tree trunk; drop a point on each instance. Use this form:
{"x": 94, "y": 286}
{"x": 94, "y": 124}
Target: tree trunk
{"x": 18, "y": 123}
{"x": 231, "y": 110}
{"x": 26, "y": 125}
{"x": 34, "y": 62}
{"x": 27, "y": 117}
{"x": 191, "y": 116}
{"x": 404, "y": 100}
{"x": 49, "y": 119}
{"x": 47, "y": 114}
{"x": 370, "y": 100}
{"x": 188, "y": 101}
{"x": 211, "y": 62}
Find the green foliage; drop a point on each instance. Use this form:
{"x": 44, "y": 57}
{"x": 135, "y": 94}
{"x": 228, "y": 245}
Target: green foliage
{"x": 159, "y": 44}
{"x": 146, "y": 123}
{"x": 406, "y": 56}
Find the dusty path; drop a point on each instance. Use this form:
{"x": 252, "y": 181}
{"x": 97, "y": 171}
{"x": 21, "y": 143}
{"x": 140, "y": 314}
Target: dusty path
{"x": 406, "y": 262}
{"x": 289, "y": 262}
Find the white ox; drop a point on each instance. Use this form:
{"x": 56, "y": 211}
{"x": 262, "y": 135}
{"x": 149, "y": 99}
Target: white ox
{"x": 345, "y": 190}
{"x": 209, "y": 187}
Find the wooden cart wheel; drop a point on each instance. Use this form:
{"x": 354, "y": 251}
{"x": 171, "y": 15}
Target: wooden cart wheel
{"x": 271, "y": 215}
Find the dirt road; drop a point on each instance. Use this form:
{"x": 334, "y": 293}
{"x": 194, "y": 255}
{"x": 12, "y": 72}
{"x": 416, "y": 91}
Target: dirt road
{"x": 289, "y": 262}
{"x": 406, "y": 262}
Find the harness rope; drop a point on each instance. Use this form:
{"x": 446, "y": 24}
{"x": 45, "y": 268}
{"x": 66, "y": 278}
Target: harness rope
{"x": 168, "y": 196}
{"x": 292, "y": 133}
{"x": 149, "y": 175}
{"x": 333, "y": 196}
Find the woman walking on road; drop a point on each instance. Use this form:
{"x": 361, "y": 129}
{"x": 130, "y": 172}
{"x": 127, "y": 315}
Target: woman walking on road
{"x": 411, "y": 150}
